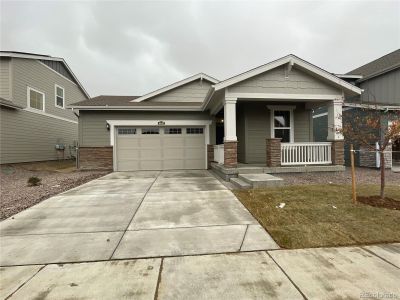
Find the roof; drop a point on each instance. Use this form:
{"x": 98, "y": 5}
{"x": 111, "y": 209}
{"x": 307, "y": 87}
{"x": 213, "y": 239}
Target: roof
{"x": 28, "y": 55}
{"x": 175, "y": 85}
{"x": 116, "y": 102}
{"x": 8, "y": 103}
{"x": 378, "y": 66}
{"x": 291, "y": 60}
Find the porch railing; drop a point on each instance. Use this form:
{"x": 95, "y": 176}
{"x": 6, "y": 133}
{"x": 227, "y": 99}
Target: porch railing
{"x": 306, "y": 154}
{"x": 219, "y": 153}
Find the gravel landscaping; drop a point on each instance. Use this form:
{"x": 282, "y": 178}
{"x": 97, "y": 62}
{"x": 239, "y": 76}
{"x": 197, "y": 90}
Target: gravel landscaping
{"x": 56, "y": 177}
{"x": 363, "y": 175}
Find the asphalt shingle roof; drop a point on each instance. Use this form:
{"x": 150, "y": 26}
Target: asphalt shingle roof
{"x": 110, "y": 100}
{"x": 379, "y": 65}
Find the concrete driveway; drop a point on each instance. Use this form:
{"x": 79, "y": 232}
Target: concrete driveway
{"x": 133, "y": 215}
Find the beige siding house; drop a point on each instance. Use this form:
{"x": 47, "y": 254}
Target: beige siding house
{"x": 36, "y": 124}
{"x": 260, "y": 118}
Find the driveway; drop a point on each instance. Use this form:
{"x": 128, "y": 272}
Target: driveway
{"x": 133, "y": 215}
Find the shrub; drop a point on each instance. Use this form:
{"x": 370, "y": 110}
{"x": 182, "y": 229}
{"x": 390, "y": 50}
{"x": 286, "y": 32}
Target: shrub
{"x": 34, "y": 181}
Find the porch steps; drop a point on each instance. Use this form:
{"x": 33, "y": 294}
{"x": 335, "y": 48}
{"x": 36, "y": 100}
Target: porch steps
{"x": 240, "y": 183}
{"x": 250, "y": 170}
{"x": 257, "y": 180}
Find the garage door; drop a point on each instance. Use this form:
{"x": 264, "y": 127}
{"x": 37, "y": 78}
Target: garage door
{"x": 160, "y": 148}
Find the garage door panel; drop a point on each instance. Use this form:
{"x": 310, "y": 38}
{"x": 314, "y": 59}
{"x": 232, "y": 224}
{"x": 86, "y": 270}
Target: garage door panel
{"x": 151, "y": 165}
{"x": 172, "y": 153}
{"x": 159, "y": 151}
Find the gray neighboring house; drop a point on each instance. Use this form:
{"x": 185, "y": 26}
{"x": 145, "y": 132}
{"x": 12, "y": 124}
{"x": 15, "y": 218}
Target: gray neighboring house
{"x": 380, "y": 82}
{"x": 35, "y": 91}
{"x": 262, "y": 117}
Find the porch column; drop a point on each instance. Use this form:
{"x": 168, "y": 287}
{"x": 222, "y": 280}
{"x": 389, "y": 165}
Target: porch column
{"x": 230, "y": 138}
{"x": 334, "y": 135}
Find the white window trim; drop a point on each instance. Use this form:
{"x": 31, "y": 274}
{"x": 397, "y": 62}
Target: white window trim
{"x": 28, "y": 98}
{"x": 55, "y": 96}
{"x": 288, "y": 108}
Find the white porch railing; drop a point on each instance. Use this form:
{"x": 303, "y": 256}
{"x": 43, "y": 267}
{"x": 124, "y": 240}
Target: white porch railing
{"x": 219, "y": 153}
{"x": 306, "y": 154}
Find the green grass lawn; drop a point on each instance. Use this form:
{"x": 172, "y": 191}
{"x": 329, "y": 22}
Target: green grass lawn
{"x": 309, "y": 218}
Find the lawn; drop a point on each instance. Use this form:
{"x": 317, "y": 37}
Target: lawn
{"x": 323, "y": 215}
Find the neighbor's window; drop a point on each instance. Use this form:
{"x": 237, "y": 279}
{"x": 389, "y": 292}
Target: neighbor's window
{"x": 36, "y": 99}
{"x": 59, "y": 96}
{"x": 194, "y": 130}
{"x": 282, "y": 125}
{"x": 150, "y": 130}
{"x": 173, "y": 130}
{"x": 126, "y": 130}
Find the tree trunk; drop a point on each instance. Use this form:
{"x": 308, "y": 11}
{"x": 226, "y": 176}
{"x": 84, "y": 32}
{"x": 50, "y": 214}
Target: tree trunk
{"x": 382, "y": 158}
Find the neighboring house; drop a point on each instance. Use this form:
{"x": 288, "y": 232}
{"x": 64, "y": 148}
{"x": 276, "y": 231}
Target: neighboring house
{"x": 35, "y": 91}
{"x": 380, "y": 82}
{"x": 262, "y": 117}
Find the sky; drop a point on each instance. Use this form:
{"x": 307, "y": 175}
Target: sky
{"x": 135, "y": 47}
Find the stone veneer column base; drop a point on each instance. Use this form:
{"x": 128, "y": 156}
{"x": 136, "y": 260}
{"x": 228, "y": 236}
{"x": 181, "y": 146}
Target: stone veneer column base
{"x": 210, "y": 155}
{"x": 230, "y": 154}
{"x": 273, "y": 148}
{"x": 95, "y": 158}
{"x": 337, "y": 152}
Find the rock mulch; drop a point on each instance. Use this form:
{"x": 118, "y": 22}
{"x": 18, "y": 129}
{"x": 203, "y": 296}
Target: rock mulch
{"x": 16, "y": 195}
{"x": 363, "y": 175}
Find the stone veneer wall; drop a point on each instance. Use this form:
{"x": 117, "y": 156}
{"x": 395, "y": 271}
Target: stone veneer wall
{"x": 230, "y": 154}
{"x": 368, "y": 157}
{"x": 273, "y": 147}
{"x": 210, "y": 155}
{"x": 96, "y": 158}
{"x": 337, "y": 152}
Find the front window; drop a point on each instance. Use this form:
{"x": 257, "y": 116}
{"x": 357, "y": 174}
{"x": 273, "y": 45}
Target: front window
{"x": 59, "y": 96}
{"x": 282, "y": 126}
{"x": 36, "y": 99}
{"x": 150, "y": 130}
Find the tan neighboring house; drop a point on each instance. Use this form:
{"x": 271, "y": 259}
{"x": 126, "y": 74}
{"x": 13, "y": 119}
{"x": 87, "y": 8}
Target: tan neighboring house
{"x": 35, "y": 91}
{"x": 260, "y": 118}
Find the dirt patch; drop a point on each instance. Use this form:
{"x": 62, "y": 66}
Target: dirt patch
{"x": 377, "y": 201}
{"x": 56, "y": 177}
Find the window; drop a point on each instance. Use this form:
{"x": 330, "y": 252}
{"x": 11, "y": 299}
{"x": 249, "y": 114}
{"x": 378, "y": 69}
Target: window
{"x": 60, "y": 94}
{"x": 35, "y": 99}
{"x": 150, "y": 131}
{"x": 282, "y": 125}
{"x": 173, "y": 130}
{"x": 194, "y": 130}
{"x": 126, "y": 130}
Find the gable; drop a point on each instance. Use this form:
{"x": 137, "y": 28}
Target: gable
{"x": 280, "y": 81}
{"x": 194, "y": 91}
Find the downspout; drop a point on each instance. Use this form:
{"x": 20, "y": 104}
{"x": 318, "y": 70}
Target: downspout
{"x": 77, "y": 147}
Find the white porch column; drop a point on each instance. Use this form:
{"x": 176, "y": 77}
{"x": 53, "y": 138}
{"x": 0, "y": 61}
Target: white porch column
{"x": 230, "y": 120}
{"x": 335, "y": 120}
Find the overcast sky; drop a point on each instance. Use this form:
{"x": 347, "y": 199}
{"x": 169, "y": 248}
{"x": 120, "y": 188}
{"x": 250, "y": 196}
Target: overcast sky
{"x": 134, "y": 47}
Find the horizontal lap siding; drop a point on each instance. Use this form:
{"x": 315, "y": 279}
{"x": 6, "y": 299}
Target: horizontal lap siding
{"x": 94, "y": 133}
{"x": 302, "y": 125}
{"x": 5, "y": 91}
{"x": 29, "y": 72}
{"x": 25, "y": 136}
{"x": 192, "y": 92}
{"x": 275, "y": 82}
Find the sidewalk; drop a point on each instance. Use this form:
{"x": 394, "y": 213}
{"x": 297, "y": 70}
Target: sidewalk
{"x": 320, "y": 273}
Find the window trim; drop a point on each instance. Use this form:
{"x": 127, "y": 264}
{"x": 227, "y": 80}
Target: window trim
{"x": 55, "y": 96}
{"x": 290, "y": 109}
{"x": 28, "y": 97}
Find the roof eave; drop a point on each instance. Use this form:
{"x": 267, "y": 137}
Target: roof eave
{"x": 143, "y": 108}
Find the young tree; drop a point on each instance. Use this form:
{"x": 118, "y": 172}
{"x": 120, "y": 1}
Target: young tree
{"x": 369, "y": 125}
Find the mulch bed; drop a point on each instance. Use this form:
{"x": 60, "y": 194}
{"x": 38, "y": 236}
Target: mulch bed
{"x": 377, "y": 201}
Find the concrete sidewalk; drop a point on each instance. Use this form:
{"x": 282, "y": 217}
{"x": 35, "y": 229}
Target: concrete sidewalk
{"x": 371, "y": 272}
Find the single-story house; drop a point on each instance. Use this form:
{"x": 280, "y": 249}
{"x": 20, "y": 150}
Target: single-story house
{"x": 260, "y": 117}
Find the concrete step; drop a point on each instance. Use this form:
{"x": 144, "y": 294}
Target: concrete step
{"x": 250, "y": 170}
{"x": 261, "y": 180}
{"x": 240, "y": 183}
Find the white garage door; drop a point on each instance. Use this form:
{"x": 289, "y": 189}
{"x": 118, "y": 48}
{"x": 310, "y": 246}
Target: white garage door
{"x": 160, "y": 148}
